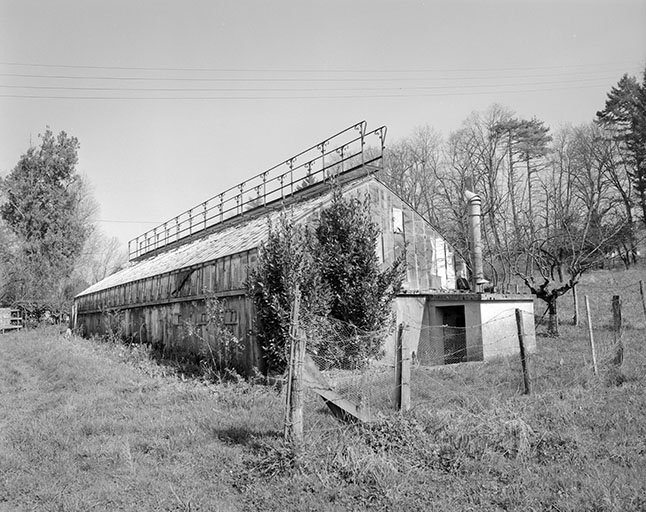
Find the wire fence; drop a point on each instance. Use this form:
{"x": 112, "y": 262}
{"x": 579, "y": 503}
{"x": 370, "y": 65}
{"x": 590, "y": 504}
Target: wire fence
{"x": 353, "y": 364}
{"x": 361, "y": 369}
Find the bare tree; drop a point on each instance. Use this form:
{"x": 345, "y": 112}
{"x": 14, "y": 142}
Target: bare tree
{"x": 581, "y": 221}
{"x": 101, "y": 257}
{"x": 411, "y": 167}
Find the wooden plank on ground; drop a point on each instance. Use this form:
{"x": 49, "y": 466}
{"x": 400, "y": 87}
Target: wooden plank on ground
{"x": 341, "y": 407}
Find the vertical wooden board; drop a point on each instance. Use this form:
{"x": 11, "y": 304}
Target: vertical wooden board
{"x": 440, "y": 259}
{"x": 428, "y": 251}
{"x": 244, "y": 356}
{"x": 232, "y": 304}
{"x": 228, "y": 273}
{"x": 206, "y": 276}
{"x": 420, "y": 251}
{"x": 168, "y": 286}
{"x": 194, "y": 282}
{"x": 242, "y": 322}
{"x": 430, "y": 248}
{"x": 212, "y": 277}
{"x": 220, "y": 277}
{"x": 188, "y": 286}
{"x": 152, "y": 324}
{"x": 231, "y": 272}
{"x": 176, "y": 282}
{"x": 164, "y": 321}
{"x": 373, "y": 190}
{"x": 389, "y": 238}
{"x": 390, "y": 203}
{"x": 160, "y": 287}
{"x": 126, "y": 322}
{"x": 433, "y": 263}
{"x": 450, "y": 264}
{"x": 244, "y": 268}
{"x": 199, "y": 276}
{"x": 253, "y": 258}
{"x": 411, "y": 257}
{"x": 235, "y": 271}
{"x": 250, "y": 339}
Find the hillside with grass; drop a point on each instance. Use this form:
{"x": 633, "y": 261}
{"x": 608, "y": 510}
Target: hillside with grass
{"x": 95, "y": 425}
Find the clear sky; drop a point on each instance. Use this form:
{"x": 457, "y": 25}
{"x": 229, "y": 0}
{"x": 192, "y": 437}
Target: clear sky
{"x": 175, "y": 101}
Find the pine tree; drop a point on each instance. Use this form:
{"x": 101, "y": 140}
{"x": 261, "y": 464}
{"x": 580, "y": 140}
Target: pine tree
{"x": 624, "y": 116}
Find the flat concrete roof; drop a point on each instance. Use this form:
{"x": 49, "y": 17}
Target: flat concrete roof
{"x": 457, "y": 296}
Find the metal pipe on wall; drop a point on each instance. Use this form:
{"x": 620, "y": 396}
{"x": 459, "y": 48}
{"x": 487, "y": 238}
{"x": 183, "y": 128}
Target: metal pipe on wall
{"x": 475, "y": 202}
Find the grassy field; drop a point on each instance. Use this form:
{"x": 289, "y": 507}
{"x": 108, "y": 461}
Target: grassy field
{"x": 89, "y": 425}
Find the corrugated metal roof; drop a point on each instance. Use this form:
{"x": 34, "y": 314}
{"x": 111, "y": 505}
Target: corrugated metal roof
{"x": 230, "y": 240}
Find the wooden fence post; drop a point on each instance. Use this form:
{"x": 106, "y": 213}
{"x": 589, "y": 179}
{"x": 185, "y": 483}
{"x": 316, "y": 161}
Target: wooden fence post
{"x": 294, "y": 416}
{"x": 591, "y": 335}
{"x": 402, "y": 371}
{"x": 523, "y": 354}
{"x": 616, "y": 327}
{"x": 575, "y": 299}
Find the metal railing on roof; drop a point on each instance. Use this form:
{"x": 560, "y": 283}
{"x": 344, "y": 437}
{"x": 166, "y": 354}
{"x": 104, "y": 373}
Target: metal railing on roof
{"x": 340, "y": 153}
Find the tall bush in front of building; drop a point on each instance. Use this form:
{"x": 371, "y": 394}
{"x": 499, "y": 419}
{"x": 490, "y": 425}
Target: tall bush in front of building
{"x": 339, "y": 277}
{"x": 362, "y": 291}
{"x": 285, "y": 267}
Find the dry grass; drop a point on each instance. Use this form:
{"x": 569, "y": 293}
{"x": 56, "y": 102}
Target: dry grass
{"x": 96, "y": 426}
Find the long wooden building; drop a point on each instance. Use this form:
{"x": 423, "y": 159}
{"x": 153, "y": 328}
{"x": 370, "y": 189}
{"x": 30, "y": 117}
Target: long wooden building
{"x": 209, "y": 249}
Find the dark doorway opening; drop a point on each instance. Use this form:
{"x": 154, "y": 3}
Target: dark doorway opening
{"x": 454, "y": 333}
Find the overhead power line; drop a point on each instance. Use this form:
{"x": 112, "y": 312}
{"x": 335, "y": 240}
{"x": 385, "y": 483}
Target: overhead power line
{"x": 259, "y": 86}
{"x": 275, "y": 79}
{"x": 272, "y": 89}
{"x": 304, "y": 69}
{"x": 493, "y": 90}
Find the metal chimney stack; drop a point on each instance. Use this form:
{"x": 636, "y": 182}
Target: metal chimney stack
{"x": 476, "y": 239}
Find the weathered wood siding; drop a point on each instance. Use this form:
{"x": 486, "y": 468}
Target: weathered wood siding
{"x": 170, "y": 309}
